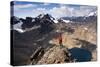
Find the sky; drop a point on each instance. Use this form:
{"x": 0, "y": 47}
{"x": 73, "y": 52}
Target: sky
{"x": 23, "y": 9}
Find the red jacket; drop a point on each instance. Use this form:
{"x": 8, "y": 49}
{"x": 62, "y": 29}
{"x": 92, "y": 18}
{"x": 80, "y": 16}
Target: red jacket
{"x": 60, "y": 39}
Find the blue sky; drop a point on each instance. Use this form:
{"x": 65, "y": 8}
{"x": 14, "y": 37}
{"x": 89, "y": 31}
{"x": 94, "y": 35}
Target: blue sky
{"x": 33, "y": 9}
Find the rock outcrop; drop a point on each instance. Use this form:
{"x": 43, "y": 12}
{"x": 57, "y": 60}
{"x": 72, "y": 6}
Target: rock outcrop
{"x": 55, "y": 55}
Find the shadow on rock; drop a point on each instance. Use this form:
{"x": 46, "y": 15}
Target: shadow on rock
{"x": 87, "y": 45}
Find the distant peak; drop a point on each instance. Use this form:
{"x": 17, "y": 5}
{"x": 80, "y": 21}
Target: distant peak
{"x": 93, "y": 13}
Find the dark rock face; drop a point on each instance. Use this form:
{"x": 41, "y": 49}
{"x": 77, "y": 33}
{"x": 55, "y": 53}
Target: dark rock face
{"x": 27, "y": 23}
{"x": 14, "y": 20}
{"x": 45, "y": 22}
{"x": 24, "y": 44}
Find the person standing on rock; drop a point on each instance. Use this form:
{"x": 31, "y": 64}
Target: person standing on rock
{"x": 60, "y": 39}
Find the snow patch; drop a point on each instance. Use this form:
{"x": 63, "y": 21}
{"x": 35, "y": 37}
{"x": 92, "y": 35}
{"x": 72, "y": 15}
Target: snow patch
{"x": 18, "y": 27}
{"x": 20, "y": 30}
{"x": 92, "y": 13}
{"x": 66, "y": 21}
{"x": 55, "y": 21}
{"x": 33, "y": 20}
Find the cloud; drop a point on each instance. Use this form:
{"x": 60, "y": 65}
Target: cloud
{"x": 18, "y": 7}
{"x": 85, "y": 10}
{"x": 38, "y": 11}
{"x": 64, "y": 11}
{"x": 55, "y": 11}
{"x": 59, "y": 11}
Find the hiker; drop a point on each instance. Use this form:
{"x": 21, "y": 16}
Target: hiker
{"x": 60, "y": 39}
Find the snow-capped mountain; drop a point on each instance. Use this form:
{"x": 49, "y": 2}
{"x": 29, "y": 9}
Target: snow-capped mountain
{"x": 47, "y": 16}
{"x": 92, "y": 16}
{"x": 55, "y": 21}
{"x": 66, "y": 21}
{"x": 93, "y": 13}
{"x": 43, "y": 20}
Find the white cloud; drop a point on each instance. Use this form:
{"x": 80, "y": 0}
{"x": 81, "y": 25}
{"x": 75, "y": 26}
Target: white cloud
{"x": 17, "y": 7}
{"x": 59, "y": 12}
{"x": 72, "y": 11}
{"x": 56, "y": 12}
{"x": 84, "y": 10}
{"x": 64, "y": 11}
{"x": 38, "y": 11}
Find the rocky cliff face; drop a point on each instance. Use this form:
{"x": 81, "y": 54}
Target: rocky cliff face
{"x": 60, "y": 54}
{"x": 55, "y": 55}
